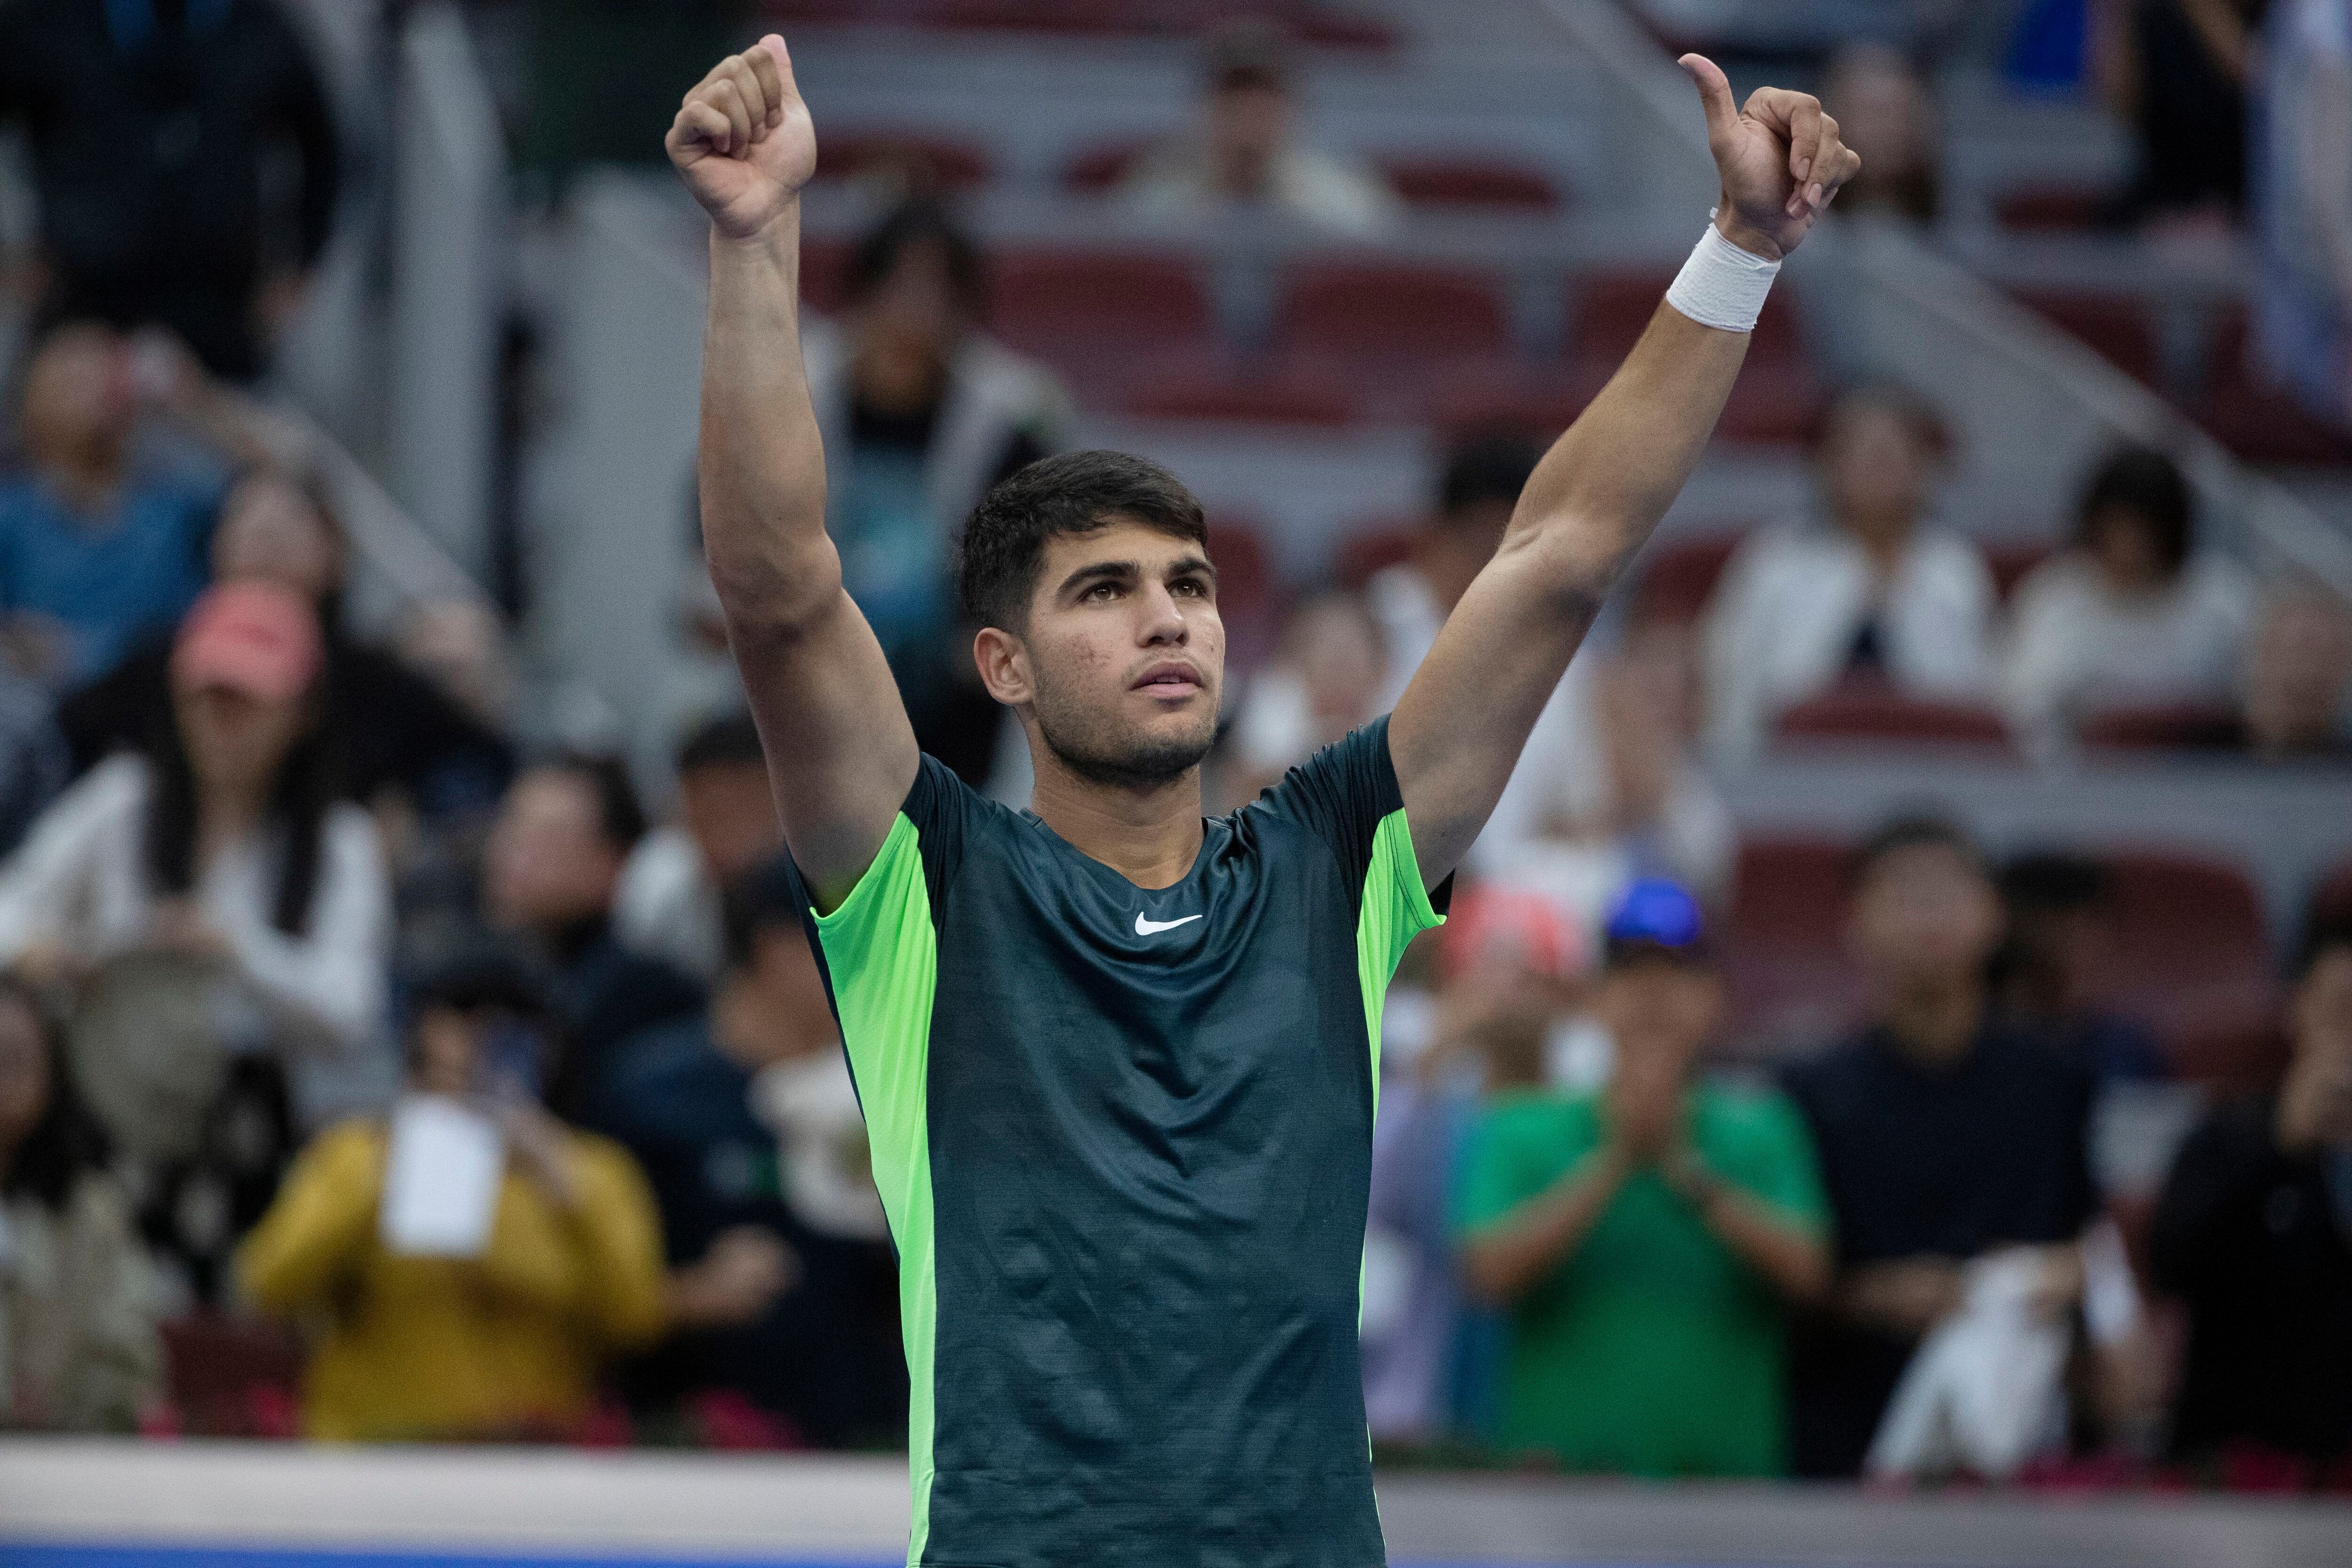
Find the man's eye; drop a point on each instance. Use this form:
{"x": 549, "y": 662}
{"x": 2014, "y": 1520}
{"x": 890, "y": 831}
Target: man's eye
{"x": 1102, "y": 591}
{"x": 1197, "y": 589}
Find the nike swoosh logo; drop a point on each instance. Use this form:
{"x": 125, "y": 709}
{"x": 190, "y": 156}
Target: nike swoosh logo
{"x": 1152, "y": 927}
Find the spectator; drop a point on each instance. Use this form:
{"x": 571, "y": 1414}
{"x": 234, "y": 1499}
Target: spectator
{"x": 2176, "y": 70}
{"x": 549, "y": 874}
{"x": 92, "y": 555}
{"x": 279, "y": 528}
{"x": 77, "y": 1346}
{"x": 2129, "y": 616}
{"x": 222, "y": 839}
{"x": 2303, "y": 205}
{"x": 1884, "y": 111}
{"x": 1872, "y": 592}
{"x": 1325, "y": 682}
{"x": 922, "y": 413}
{"x": 1246, "y": 154}
{"x": 2061, "y": 922}
{"x": 2254, "y": 1234}
{"x": 470, "y": 1265}
{"x": 667, "y": 906}
{"x": 159, "y": 132}
{"x": 1945, "y": 1138}
{"x": 1645, "y": 1237}
{"x": 747, "y": 1122}
{"x": 2299, "y": 678}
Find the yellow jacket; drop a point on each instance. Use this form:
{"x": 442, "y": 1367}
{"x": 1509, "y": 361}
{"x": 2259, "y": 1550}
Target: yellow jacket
{"x": 434, "y": 1348}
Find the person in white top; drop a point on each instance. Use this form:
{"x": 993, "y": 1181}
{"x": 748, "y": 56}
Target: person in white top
{"x": 667, "y": 905}
{"x": 2128, "y": 616}
{"x": 1247, "y": 155}
{"x": 1871, "y": 590}
{"x": 224, "y": 838}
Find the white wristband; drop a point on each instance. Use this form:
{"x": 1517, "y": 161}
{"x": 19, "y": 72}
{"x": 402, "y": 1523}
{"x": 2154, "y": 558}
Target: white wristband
{"x": 1722, "y": 284}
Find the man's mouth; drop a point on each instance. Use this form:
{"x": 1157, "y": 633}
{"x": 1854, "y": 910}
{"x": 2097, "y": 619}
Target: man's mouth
{"x": 1169, "y": 680}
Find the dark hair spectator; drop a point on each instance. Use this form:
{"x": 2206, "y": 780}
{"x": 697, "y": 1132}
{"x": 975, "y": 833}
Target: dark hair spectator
{"x": 905, "y": 354}
{"x": 279, "y": 526}
{"x": 2177, "y": 71}
{"x": 2128, "y": 616}
{"x": 2047, "y": 974}
{"x": 1870, "y": 592}
{"x": 1945, "y": 1138}
{"x": 2253, "y": 1234}
{"x": 758, "y": 1082}
{"x": 1483, "y": 473}
{"x": 78, "y": 1351}
{"x": 1246, "y": 153}
{"x": 668, "y": 904}
{"x": 550, "y": 873}
{"x": 1645, "y": 1237}
{"x": 160, "y": 136}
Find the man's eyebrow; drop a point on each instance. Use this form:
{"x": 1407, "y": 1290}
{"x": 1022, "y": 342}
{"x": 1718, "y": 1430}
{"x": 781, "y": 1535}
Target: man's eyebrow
{"x": 1100, "y": 572}
{"x": 1187, "y": 566}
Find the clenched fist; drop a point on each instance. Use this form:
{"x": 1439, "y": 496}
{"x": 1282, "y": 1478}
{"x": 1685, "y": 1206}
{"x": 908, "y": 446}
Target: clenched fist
{"x": 1780, "y": 157}
{"x": 742, "y": 141}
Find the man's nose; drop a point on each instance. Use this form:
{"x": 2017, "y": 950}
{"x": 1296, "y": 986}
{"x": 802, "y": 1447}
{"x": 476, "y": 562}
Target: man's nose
{"x": 1165, "y": 622}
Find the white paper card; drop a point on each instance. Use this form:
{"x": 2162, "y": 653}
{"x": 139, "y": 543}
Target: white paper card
{"x": 441, "y": 1179}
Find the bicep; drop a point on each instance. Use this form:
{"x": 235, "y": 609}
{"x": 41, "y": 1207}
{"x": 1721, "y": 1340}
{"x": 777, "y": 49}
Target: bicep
{"x": 1465, "y": 717}
{"x": 841, "y": 752}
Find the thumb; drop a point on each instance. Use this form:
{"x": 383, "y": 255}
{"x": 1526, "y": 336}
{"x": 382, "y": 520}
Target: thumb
{"x": 1714, "y": 95}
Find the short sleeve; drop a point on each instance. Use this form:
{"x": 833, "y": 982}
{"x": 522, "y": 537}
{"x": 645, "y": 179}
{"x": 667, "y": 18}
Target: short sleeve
{"x": 1775, "y": 1162}
{"x": 937, "y": 815}
{"x": 1342, "y": 794}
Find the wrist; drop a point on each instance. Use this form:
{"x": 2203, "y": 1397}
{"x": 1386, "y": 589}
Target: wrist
{"x": 1747, "y": 236}
{"x": 781, "y": 226}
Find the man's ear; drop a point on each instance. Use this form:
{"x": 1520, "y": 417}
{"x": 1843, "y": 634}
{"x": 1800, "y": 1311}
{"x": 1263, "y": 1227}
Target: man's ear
{"x": 1003, "y": 661}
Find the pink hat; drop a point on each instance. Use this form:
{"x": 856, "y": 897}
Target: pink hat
{"x": 250, "y": 637}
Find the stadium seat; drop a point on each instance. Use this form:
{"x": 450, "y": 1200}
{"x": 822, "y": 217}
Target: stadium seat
{"x": 1370, "y": 551}
{"x": 1233, "y": 388}
{"x": 2171, "y": 727}
{"x": 2060, "y": 209}
{"x": 2012, "y": 564}
{"x": 2191, "y": 952}
{"x": 1483, "y": 396}
{"x": 1094, "y": 315}
{"x": 1872, "y": 710}
{"x": 2257, "y": 422}
{"x": 1249, "y": 595}
{"x": 2228, "y": 1054}
{"x": 1678, "y": 580}
{"x": 1784, "y": 944}
{"x": 1100, "y": 169}
{"x": 232, "y": 1377}
{"x": 2119, "y": 328}
{"x": 1470, "y": 182}
{"x": 919, "y": 163}
{"x": 1607, "y": 310}
{"x": 1393, "y": 312}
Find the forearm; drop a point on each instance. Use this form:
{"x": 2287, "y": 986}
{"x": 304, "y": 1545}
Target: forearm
{"x": 761, "y": 460}
{"x": 1793, "y": 1258}
{"x": 1505, "y": 1261}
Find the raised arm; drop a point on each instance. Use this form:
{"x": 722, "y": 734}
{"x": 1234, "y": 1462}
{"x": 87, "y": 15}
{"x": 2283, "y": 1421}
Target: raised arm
{"x": 841, "y": 754}
{"x": 1461, "y": 724}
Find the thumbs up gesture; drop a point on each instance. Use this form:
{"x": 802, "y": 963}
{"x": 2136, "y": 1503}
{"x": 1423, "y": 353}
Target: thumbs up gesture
{"x": 742, "y": 141}
{"x": 1781, "y": 160}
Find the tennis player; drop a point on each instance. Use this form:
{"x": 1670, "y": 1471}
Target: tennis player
{"x": 1117, "y": 1061}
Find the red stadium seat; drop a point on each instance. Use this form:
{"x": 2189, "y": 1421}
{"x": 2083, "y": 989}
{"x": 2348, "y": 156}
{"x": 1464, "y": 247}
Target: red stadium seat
{"x": 232, "y": 1377}
{"x": 2191, "y": 952}
{"x": 1607, "y": 312}
{"x": 2257, "y": 422}
{"x": 1470, "y": 182}
{"x": 1872, "y": 710}
{"x": 1784, "y": 943}
{"x": 824, "y": 272}
{"x": 1102, "y": 168}
{"x": 1098, "y": 315}
{"x": 2012, "y": 564}
{"x": 2228, "y": 1054}
{"x": 1483, "y": 396}
{"x": 1227, "y": 388}
{"x": 1678, "y": 580}
{"x": 1249, "y": 596}
{"x": 1390, "y": 312}
{"x": 918, "y": 163}
{"x": 2173, "y": 727}
{"x": 2120, "y": 328}
{"x": 2060, "y": 209}
{"x": 1371, "y": 551}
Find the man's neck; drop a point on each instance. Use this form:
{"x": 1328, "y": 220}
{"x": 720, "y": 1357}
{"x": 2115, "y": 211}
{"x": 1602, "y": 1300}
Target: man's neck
{"x": 1934, "y": 1024}
{"x": 1148, "y": 834}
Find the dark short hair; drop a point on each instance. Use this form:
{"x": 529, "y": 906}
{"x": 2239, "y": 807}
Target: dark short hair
{"x": 1487, "y": 467}
{"x": 1004, "y": 545}
{"x": 2328, "y": 928}
{"x": 730, "y": 739}
{"x": 619, "y": 815}
{"x": 2149, "y": 486}
{"x": 760, "y": 899}
{"x": 1252, "y": 52}
{"x": 1921, "y": 418}
{"x": 2050, "y": 882}
{"x": 907, "y": 226}
{"x": 1917, "y": 831}
{"x": 477, "y": 970}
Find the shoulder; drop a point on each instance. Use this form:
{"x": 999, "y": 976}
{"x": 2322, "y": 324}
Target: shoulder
{"x": 1521, "y": 1117}
{"x": 1005, "y": 380}
{"x": 350, "y": 1147}
{"x": 606, "y": 1169}
{"x": 114, "y": 790}
{"x": 1750, "y": 1113}
{"x": 1950, "y": 556}
{"x": 2217, "y": 584}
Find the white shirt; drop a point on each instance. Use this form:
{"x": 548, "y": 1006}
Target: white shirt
{"x": 2075, "y": 645}
{"x": 827, "y": 1169}
{"x": 1794, "y": 598}
{"x": 80, "y": 879}
{"x": 665, "y": 906}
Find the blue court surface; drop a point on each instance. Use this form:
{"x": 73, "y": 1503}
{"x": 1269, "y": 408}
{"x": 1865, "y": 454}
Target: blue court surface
{"x": 20, "y": 1556}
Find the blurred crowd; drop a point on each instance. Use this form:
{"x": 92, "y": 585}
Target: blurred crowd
{"x": 367, "y": 1073}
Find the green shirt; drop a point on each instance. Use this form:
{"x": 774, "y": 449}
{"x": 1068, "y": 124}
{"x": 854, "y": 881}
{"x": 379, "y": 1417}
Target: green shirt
{"x": 1653, "y": 1350}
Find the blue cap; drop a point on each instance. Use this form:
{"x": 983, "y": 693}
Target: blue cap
{"x": 1655, "y": 912}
